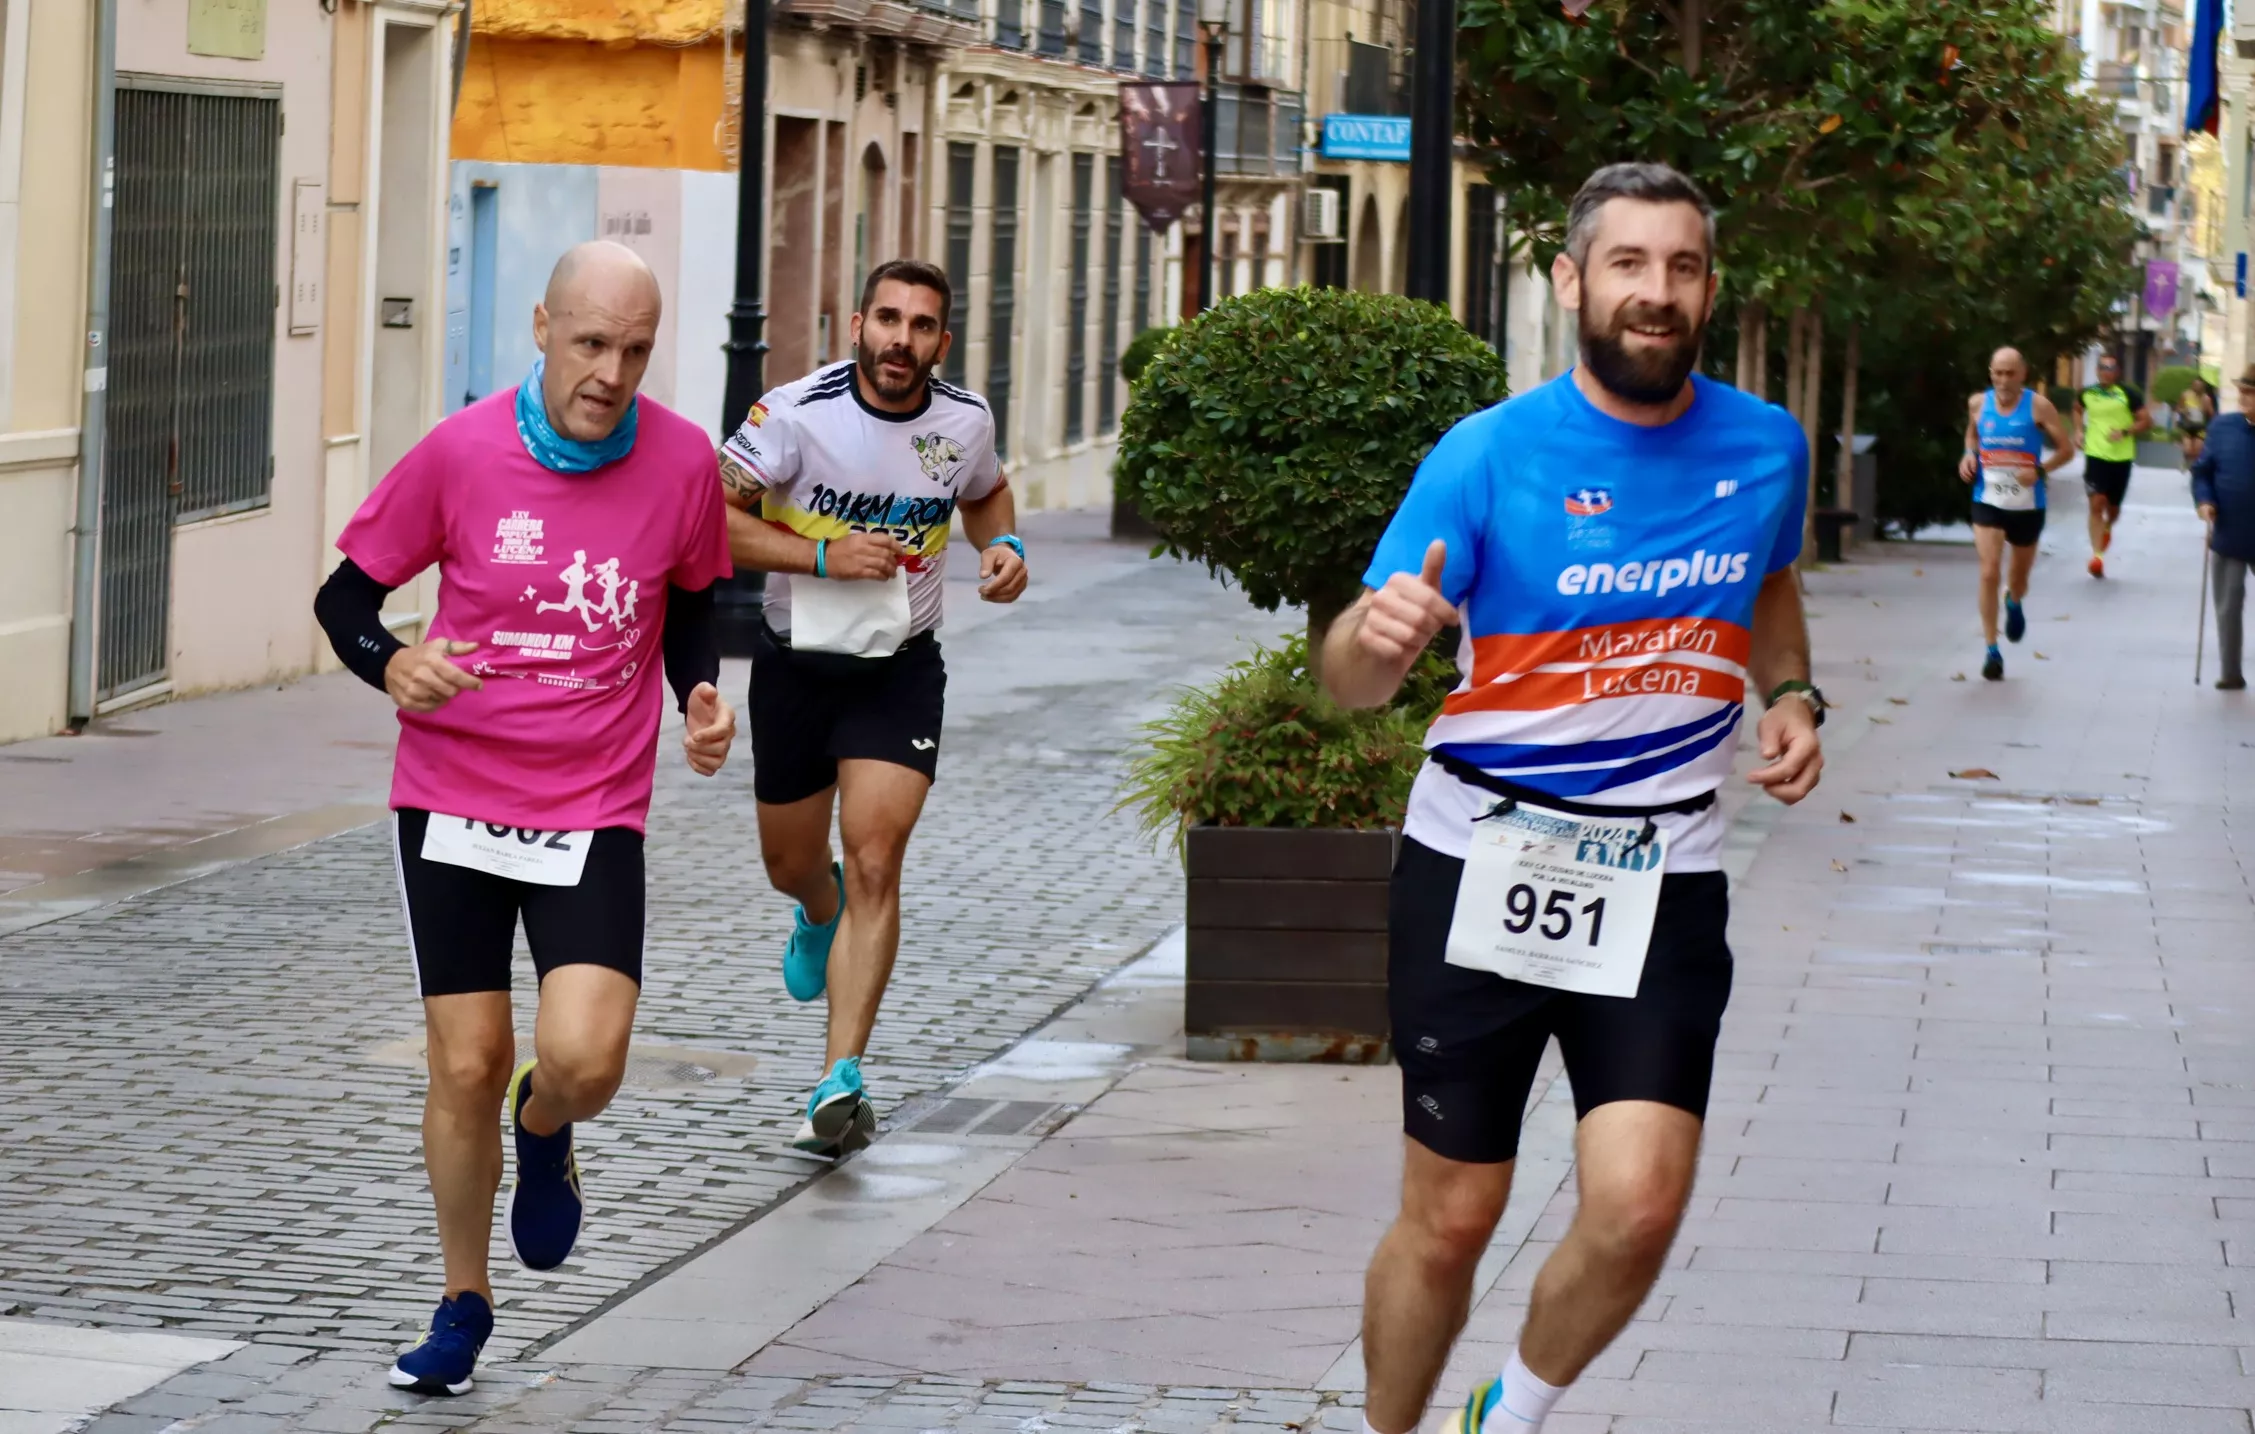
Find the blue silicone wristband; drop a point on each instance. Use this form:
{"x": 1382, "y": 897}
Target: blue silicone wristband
{"x": 821, "y": 557}
{"x": 1015, "y": 546}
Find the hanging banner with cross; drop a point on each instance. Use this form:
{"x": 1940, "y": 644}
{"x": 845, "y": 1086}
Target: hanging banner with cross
{"x": 1159, "y": 130}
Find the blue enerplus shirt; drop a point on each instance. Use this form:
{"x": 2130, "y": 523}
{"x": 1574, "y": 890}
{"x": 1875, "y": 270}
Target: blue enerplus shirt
{"x": 1607, "y": 573}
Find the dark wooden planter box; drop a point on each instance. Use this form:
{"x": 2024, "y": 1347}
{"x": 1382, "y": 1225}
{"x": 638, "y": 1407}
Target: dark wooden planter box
{"x": 1287, "y": 944}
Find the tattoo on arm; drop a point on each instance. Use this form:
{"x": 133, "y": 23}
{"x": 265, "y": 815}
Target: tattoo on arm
{"x": 739, "y": 486}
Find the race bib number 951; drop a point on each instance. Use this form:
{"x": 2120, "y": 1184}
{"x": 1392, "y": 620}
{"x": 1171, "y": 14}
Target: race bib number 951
{"x": 541, "y": 858}
{"x": 1560, "y": 901}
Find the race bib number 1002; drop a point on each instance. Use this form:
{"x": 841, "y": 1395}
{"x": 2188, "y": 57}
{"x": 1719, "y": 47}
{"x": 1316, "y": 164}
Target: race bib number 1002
{"x": 541, "y": 858}
{"x": 1560, "y": 901}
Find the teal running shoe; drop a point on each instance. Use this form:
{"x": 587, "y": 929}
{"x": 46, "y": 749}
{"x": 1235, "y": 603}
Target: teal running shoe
{"x": 1474, "y": 1415}
{"x": 839, "y": 1118}
{"x": 806, "y": 961}
{"x": 1992, "y": 666}
{"x": 2015, "y": 620}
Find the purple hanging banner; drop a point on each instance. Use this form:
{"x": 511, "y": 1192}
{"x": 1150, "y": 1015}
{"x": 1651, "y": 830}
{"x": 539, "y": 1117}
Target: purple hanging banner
{"x": 2160, "y": 287}
{"x": 1159, "y": 145}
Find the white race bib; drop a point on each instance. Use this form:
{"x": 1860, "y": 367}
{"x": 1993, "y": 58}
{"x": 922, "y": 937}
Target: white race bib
{"x": 1560, "y": 901}
{"x": 2013, "y": 489}
{"x": 859, "y": 619}
{"x": 519, "y": 853}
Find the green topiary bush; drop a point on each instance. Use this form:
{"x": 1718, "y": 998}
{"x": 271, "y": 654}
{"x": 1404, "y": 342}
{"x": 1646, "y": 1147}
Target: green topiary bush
{"x": 1264, "y": 747}
{"x": 1137, "y": 356}
{"x": 2169, "y": 384}
{"x": 1272, "y": 437}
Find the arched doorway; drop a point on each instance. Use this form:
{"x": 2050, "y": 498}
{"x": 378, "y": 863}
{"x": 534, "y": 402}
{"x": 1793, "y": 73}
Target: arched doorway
{"x": 1370, "y": 272}
{"x": 868, "y": 222}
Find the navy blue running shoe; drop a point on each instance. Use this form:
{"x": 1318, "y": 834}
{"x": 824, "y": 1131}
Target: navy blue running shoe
{"x": 2015, "y": 620}
{"x": 545, "y": 1208}
{"x": 442, "y": 1363}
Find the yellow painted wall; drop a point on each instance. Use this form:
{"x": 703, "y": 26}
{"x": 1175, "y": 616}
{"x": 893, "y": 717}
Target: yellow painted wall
{"x": 658, "y": 22}
{"x": 573, "y": 101}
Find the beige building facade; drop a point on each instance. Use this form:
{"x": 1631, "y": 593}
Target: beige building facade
{"x": 261, "y": 361}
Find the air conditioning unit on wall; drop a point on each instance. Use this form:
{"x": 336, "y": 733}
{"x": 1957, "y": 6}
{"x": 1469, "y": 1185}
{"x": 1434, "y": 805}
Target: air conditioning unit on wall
{"x": 1319, "y": 215}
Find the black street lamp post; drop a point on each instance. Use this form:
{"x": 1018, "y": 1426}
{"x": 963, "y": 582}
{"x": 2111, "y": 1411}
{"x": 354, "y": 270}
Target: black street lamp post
{"x": 1432, "y": 143}
{"x": 1214, "y": 23}
{"x": 738, "y": 600}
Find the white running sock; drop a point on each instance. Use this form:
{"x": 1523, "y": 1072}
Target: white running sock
{"x": 1367, "y": 1426}
{"x": 1525, "y": 1401}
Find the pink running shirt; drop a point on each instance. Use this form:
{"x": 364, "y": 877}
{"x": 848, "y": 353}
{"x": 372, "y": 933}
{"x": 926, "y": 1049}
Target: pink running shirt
{"x": 560, "y": 578}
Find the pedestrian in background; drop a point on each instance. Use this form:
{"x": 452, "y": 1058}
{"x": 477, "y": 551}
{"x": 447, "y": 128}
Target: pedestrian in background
{"x": 2195, "y": 411}
{"x": 2223, "y": 487}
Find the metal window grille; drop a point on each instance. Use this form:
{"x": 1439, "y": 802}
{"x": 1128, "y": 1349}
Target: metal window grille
{"x": 192, "y": 321}
{"x": 1002, "y": 293}
{"x": 1076, "y": 308}
{"x": 962, "y": 168}
{"x": 1108, "y": 357}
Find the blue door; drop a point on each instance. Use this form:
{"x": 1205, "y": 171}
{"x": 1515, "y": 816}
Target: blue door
{"x": 485, "y": 241}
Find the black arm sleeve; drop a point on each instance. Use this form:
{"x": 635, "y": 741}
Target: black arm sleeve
{"x": 350, "y": 608}
{"x": 691, "y": 642}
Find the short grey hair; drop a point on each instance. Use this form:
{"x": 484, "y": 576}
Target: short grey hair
{"x": 1643, "y": 181}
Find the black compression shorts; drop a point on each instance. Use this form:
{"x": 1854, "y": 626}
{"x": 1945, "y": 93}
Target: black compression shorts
{"x": 2022, "y": 526}
{"x": 462, "y": 924}
{"x": 811, "y": 710}
{"x": 1469, "y": 1041}
{"x": 2109, "y": 478}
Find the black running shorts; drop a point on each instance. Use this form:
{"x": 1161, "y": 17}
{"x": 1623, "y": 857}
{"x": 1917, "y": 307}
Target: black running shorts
{"x": 812, "y": 710}
{"x": 1469, "y": 1041}
{"x": 462, "y": 924}
{"x": 2022, "y": 526}
{"x": 2107, "y": 477}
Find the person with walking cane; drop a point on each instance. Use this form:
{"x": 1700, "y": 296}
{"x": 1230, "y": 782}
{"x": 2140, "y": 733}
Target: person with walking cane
{"x": 2223, "y": 488}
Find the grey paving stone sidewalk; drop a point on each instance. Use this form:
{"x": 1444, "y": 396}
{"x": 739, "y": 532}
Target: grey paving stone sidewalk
{"x": 208, "y": 1122}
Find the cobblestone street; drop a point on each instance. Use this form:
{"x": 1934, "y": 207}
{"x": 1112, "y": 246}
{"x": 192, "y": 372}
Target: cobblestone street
{"x": 212, "y": 1092}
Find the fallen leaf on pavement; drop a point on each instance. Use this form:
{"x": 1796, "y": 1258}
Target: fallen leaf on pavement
{"x": 1957, "y": 677}
{"x": 1918, "y": 572}
{"x": 1976, "y": 774}
{"x": 1883, "y": 721}
{"x": 2043, "y": 657}
{"x": 1839, "y": 865}
{"x": 1848, "y": 817}
{"x": 1900, "y": 701}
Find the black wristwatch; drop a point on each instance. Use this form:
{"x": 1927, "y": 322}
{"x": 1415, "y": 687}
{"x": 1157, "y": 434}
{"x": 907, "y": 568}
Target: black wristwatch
{"x": 1807, "y": 691}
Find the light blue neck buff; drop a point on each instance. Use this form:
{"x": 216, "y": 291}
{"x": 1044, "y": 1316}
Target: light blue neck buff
{"x": 552, "y": 450}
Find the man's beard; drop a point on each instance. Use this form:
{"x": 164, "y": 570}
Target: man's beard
{"x": 869, "y": 358}
{"x": 1652, "y": 376}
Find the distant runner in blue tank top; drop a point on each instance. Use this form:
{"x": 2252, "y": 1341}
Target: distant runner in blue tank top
{"x": 2006, "y": 430}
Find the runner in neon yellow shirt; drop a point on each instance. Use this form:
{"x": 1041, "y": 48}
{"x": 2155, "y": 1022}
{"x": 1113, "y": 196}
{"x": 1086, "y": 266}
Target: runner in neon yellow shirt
{"x": 2114, "y": 417}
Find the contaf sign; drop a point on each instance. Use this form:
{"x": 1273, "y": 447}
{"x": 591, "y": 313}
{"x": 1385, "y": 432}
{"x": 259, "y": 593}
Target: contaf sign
{"x": 1366, "y": 137}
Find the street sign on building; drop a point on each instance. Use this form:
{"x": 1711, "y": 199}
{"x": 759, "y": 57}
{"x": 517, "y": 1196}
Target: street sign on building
{"x": 1366, "y": 137}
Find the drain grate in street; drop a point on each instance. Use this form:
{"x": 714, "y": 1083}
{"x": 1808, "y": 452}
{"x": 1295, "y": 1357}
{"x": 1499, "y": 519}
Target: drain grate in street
{"x": 955, "y": 1115}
